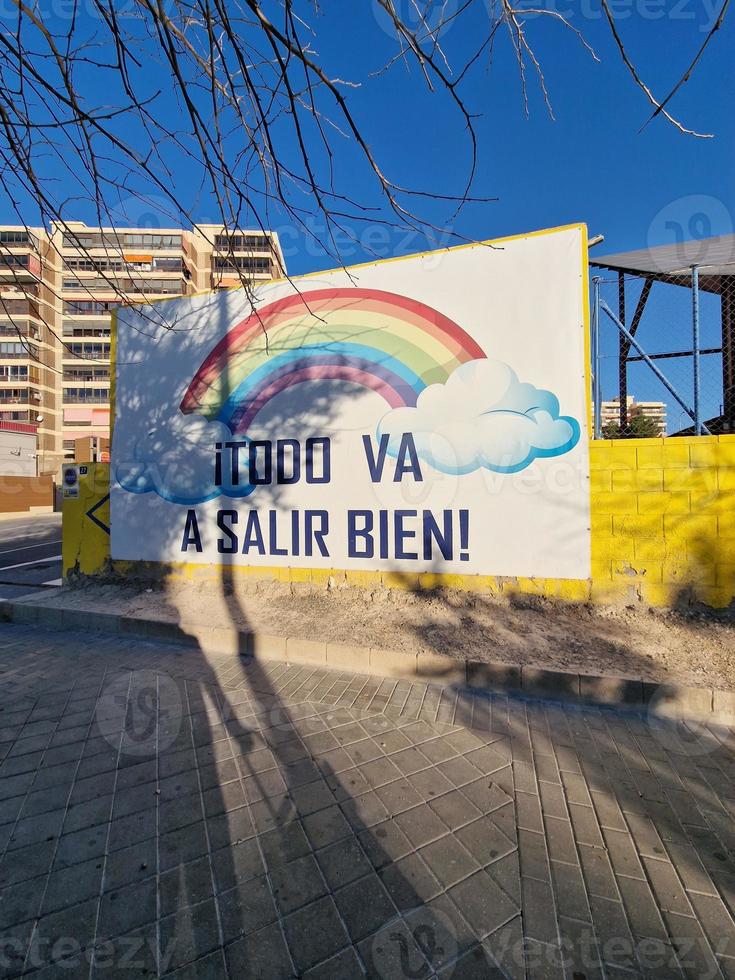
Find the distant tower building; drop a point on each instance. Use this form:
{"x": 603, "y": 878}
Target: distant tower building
{"x": 610, "y": 412}
{"x": 56, "y": 294}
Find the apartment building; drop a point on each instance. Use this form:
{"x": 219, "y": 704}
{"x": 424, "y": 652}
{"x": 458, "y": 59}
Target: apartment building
{"x": 610, "y": 412}
{"x": 30, "y": 364}
{"x": 57, "y": 291}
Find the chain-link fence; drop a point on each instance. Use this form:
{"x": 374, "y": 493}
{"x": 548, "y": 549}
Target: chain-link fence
{"x": 663, "y": 352}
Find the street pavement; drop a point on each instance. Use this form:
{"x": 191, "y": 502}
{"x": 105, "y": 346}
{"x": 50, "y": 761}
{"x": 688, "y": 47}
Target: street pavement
{"x": 30, "y": 551}
{"x": 167, "y": 813}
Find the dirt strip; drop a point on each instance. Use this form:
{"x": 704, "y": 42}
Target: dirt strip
{"x": 692, "y": 648}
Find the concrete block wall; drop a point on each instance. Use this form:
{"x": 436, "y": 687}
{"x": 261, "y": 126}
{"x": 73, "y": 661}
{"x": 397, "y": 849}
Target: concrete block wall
{"x": 663, "y": 520}
{"x": 662, "y": 533}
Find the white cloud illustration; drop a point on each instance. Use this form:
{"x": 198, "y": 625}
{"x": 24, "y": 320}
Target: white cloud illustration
{"x": 176, "y": 461}
{"x": 482, "y": 417}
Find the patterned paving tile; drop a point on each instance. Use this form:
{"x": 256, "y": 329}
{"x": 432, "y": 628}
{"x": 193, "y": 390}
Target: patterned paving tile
{"x": 212, "y": 817}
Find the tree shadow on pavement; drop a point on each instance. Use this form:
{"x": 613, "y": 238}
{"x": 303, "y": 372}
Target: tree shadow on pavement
{"x": 625, "y": 824}
{"x": 322, "y": 824}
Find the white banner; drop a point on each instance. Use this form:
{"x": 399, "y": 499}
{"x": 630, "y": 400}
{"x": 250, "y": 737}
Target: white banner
{"x": 420, "y": 414}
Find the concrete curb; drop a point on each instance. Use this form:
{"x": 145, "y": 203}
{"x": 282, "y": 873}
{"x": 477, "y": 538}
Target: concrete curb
{"x": 702, "y": 704}
{"x": 40, "y": 510}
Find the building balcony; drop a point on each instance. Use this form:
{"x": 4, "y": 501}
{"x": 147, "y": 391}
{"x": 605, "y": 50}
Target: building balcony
{"x": 19, "y": 374}
{"x": 221, "y": 280}
{"x": 13, "y": 306}
{"x": 88, "y": 309}
{"x": 17, "y": 416}
{"x": 20, "y": 256}
{"x": 19, "y": 395}
{"x": 74, "y": 354}
{"x": 90, "y": 331}
{"x": 22, "y": 327}
{"x": 18, "y": 425}
{"x": 105, "y": 242}
{"x": 116, "y": 294}
{"x": 21, "y": 272}
{"x": 82, "y": 373}
{"x": 17, "y": 238}
{"x": 86, "y": 399}
{"x": 28, "y": 353}
{"x": 243, "y": 243}
{"x": 162, "y": 265}
{"x": 264, "y": 254}
{"x": 118, "y": 280}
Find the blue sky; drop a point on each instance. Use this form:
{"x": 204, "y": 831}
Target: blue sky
{"x": 590, "y": 164}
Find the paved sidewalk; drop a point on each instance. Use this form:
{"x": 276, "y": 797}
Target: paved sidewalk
{"x": 163, "y": 813}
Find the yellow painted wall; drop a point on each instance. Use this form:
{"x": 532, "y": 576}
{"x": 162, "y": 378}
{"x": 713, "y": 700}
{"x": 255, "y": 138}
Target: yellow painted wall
{"x": 85, "y": 547}
{"x": 663, "y": 520}
{"x": 663, "y": 530}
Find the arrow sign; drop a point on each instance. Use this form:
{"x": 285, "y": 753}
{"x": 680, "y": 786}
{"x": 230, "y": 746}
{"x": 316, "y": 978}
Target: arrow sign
{"x": 91, "y": 513}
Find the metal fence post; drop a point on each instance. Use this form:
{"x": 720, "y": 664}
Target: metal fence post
{"x": 695, "y": 350}
{"x": 595, "y": 344}
{"x": 652, "y": 364}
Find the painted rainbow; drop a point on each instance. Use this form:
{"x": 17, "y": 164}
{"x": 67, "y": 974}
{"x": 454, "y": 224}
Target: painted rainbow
{"x": 389, "y": 343}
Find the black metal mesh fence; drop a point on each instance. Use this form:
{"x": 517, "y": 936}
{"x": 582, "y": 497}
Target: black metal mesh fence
{"x": 663, "y": 352}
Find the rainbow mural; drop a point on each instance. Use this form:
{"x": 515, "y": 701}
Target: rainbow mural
{"x": 389, "y": 343}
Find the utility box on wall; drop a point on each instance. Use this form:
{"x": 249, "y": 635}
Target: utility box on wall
{"x": 85, "y": 520}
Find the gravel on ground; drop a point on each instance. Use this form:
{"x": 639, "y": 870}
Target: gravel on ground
{"x": 694, "y": 648}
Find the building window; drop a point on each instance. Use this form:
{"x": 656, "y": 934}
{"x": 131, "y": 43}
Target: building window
{"x": 86, "y": 265}
{"x": 86, "y": 307}
{"x": 261, "y": 242}
{"x": 78, "y": 241}
{"x": 242, "y": 263}
{"x": 167, "y": 265}
{"x": 96, "y": 396}
{"x": 154, "y": 241}
{"x": 17, "y": 350}
{"x": 172, "y": 286}
{"x": 72, "y": 374}
{"x": 90, "y": 352}
{"x": 14, "y": 237}
{"x": 14, "y": 416}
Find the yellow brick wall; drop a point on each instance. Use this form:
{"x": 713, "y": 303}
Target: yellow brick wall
{"x": 663, "y": 520}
